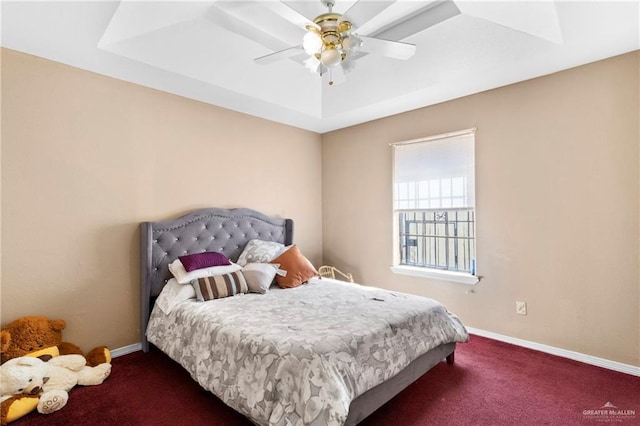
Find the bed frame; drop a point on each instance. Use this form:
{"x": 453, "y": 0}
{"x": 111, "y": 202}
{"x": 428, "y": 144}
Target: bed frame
{"x": 227, "y": 231}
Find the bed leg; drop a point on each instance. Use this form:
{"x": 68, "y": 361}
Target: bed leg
{"x": 451, "y": 357}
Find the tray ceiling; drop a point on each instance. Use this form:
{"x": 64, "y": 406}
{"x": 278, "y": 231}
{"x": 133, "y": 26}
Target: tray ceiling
{"x": 204, "y": 50}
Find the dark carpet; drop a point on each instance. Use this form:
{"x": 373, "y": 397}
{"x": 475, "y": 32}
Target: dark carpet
{"x": 491, "y": 383}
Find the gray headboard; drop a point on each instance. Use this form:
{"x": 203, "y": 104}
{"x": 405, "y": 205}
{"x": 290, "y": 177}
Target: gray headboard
{"x": 210, "y": 229}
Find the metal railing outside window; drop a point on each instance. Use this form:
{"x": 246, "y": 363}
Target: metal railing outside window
{"x": 438, "y": 238}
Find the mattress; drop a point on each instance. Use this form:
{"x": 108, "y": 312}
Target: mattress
{"x": 301, "y": 355}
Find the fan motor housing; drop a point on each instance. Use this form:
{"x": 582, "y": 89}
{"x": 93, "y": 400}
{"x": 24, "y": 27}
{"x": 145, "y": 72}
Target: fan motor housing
{"x": 331, "y": 28}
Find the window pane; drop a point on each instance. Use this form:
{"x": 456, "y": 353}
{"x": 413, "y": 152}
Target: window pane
{"x": 442, "y": 239}
{"x": 423, "y": 193}
{"x": 434, "y": 188}
{"x": 457, "y": 187}
{"x": 402, "y": 191}
{"x": 411, "y": 192}
{"x": 436, "y": 180}
{"x": 445, "y": 185}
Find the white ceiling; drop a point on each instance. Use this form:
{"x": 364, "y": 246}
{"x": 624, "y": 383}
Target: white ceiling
{"x": 204, "y": 50}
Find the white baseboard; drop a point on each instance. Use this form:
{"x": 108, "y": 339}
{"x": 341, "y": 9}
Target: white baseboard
{"x": 126, "y": 350}
{"x": 576, "y": 356}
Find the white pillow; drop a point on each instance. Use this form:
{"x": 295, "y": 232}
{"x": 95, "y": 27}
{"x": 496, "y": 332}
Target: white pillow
{"x": 259, "y": 276}
{"x": 258, "y": 251}
{"x": 174, "y": 293}
{"x": 177, "y": 269}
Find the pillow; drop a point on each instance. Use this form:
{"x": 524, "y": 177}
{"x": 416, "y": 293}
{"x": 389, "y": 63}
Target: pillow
{"x": 298, "y": 268}
{"x": 207, "y": 259}
{"x": 259, "y": 276}
{"x": 177, "y": 269}
{"x": 172, "y": 294}
{"x": 258, "y": 251}
{"x": 219, "y": 286}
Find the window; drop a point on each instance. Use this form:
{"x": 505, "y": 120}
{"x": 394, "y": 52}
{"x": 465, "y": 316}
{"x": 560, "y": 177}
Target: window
{"x": 434, "y": 205}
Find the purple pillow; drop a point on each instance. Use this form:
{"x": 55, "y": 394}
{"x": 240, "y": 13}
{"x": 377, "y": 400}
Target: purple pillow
{"x": 195, "y": 261}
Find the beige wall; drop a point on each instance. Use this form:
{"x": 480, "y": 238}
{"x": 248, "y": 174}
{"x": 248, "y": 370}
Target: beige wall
{"x": 85, "y": 158}
{"x": 557, "y": 190}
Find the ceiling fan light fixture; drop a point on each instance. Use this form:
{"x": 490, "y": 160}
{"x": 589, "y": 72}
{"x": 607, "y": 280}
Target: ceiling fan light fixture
{"x": 332, "y": 46}
{"x": 312, "y": 43}
{"x": 344, "y": 26}
{"x": 330, "y": 57}
{"x": 351, "y": 43}
{"x": 331, "y": 38}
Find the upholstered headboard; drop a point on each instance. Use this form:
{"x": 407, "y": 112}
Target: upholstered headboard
{"x": 211, "y": 229}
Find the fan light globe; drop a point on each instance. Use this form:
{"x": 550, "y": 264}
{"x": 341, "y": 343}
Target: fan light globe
{"x": 312, "y": 43}
{"x": 351, "y": 42}
{"x": 330, "y": 57}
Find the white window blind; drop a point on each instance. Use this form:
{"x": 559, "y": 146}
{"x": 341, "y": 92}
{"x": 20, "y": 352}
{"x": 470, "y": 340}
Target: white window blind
{"x": 434, "y": 205}
{"x": 435, "y": 173}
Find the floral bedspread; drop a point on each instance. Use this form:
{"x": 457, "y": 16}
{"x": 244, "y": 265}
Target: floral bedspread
{"x": 300, "y": 356}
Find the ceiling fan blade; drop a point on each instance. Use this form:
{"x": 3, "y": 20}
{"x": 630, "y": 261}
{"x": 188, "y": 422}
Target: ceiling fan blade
{"x": 363, "y": 11}
{"x": 226, "y": 20}
{"x": 289, "y": 13}
{"x": 426, "y": 17}
{"x": 391, "y": 49}
{"x": 277, "y": 56}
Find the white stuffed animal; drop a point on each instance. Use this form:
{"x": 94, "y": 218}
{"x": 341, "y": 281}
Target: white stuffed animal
{"x": 52, "y": 379}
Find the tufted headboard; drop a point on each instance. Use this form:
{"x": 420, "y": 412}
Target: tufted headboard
{"x": 211, "y": 229}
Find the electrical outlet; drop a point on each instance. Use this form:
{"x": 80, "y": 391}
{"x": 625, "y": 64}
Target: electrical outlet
{"x": 521, "y": 307}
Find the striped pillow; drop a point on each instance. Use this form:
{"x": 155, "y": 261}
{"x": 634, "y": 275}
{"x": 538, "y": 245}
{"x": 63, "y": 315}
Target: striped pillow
{"x": 219, "y": 286}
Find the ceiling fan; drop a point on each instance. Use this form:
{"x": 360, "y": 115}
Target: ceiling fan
{"x": 332, "y": 44}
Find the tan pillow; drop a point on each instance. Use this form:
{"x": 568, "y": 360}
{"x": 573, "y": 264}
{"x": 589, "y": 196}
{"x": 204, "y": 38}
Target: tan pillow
{"x": 298, "y": 268}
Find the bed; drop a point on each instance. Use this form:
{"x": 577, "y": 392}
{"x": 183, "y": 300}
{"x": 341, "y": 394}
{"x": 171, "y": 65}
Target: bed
{"x": 327, "y": 352}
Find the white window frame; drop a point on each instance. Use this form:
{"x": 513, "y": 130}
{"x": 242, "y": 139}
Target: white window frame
{"x": 420, "y": 271}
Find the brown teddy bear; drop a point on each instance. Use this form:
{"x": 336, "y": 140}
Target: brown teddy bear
{"x": 39, "y": 337}
{"x": 42, "y": 337}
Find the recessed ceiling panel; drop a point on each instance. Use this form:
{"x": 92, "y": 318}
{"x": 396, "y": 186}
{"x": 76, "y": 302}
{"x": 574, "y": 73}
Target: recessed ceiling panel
{"x": 198, "y": 48}
{"x": 205, "y": 50}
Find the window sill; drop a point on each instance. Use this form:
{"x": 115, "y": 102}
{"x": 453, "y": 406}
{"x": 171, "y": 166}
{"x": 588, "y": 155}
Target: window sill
{"x": 456, "y": 277}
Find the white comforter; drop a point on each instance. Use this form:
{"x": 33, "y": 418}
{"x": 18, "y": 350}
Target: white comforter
{"x": 301, "y": 355}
